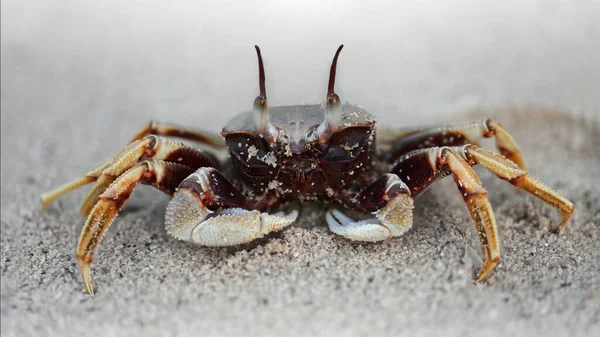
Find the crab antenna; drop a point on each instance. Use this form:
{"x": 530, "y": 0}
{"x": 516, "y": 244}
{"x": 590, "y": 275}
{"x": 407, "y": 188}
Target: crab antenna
{"x": 333, "y": 109}
{"x": 260, "y": 112}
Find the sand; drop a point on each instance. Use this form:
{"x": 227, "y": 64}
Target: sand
{"x": 65, "y": 110}
{"x": 305, "y": 280}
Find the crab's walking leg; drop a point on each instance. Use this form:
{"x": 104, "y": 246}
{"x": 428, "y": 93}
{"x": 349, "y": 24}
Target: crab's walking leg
{"x": 420, "y": 168}
{"x": 151, "y": 146}
{"x": 88, "y": 178}
{"x": 166, "y": 129}
{"x": 509, "y": 171}
{"x": 207, "y": 209}
{"x": 454, "y": 135}
{"x": 388, "y": 199}
{"x": 163, "y": 175}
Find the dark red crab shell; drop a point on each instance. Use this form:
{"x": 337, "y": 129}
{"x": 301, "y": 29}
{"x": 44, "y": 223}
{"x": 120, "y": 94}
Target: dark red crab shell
{"x": 299, "y": 166}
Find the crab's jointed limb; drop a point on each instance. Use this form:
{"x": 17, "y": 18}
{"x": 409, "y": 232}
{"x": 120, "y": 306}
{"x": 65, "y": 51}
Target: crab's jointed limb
{"x": 61, "y": 190}
{"x": 171, "y": 130}
{"x": 163, "y": 175}
{"x": 149, "y": 147}
{"x": 152, "y": 160}
{"x": 206, "y": 208}
{"x": 509, "y": 171}
{"x": 452, "y": 135}
{"x": 420, "y": 168}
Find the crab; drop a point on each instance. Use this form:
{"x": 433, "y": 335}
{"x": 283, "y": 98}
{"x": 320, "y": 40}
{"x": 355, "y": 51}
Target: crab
{"x": 327, "y": 152}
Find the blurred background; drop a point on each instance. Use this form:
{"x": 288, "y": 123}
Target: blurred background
{"x": 409, "y": 62}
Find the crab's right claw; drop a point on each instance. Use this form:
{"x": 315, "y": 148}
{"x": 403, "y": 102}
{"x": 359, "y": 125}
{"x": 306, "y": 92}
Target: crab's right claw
{"x": 187, "y": 218}
{"x": 236, "y": 225}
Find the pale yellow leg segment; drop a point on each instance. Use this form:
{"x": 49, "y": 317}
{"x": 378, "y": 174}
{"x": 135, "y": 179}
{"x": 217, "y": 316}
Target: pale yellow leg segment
{"x": 48, "y": 197}
{"x": 507, "y": 145}
{"x": 165, "y": 129}
{"x": 102, "y": 183}
{"x": 507, "y": 170}
{"x": 388, "y": 135}
{"x": 100, "y": 218}
{"x": 149, "y": 147}
{"x": 475, "y": 197}
{"x": 404, "y": 141}
{"x": 162, "y": 175}
{"x": 104, "y": 175}
{"x": 89, "y": 177}
{"x": 124, "y": 160}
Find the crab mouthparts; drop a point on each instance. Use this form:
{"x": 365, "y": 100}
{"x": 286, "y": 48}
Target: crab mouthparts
{"x": 300, "y": 165}
{"x": 302, "y": 176}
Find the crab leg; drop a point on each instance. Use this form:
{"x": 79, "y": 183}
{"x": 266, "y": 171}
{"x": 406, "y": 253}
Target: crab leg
{"x": 151, "y": 146}
{"x": 509, "y": 171}
{"x": 207, "y": 209}
{"x": 454, "y": 135}
{"x": 420, "y": 168}
{"x": 163, "y": 175}
{"x": 166, "y": 129}
{"x": 88, "y": 178}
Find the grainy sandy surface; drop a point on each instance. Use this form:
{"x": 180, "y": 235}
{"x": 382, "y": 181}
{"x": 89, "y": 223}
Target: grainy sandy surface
{"x": 305, "y": 280}
{"x": 72, "y": 94}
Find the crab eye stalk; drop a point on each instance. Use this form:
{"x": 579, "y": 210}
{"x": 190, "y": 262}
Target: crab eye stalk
{"x": 260, "y": 111}
{"x": 333, "y": 109}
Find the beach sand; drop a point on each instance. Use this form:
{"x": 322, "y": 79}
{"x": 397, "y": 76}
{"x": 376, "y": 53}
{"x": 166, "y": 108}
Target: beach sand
{"x": 66, "y": 106}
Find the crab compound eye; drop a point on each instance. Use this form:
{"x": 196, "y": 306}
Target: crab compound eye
{"x": 249, "y": 149}
{"x": 336, "y": 153}
{"x": 346, "y": 144}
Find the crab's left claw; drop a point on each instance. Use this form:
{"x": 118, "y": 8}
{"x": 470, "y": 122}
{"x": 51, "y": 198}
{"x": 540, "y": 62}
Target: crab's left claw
{"x": 370, "y": 230}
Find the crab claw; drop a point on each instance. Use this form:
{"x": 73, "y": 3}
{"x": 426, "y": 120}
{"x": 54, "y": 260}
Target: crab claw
{"x": 188, "y": 219}
{"x": 236, "y": 225}
{"x": 396, "y": 215}
{"x": 184, "y": 212}
{"x": 369, "y": 230}
{"x": 393, "y": 219}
